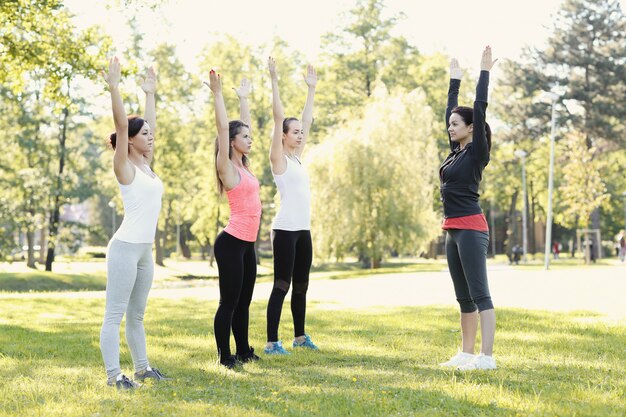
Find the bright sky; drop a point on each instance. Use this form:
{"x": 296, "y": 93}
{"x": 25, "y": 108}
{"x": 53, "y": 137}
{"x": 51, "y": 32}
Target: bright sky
{"x": 458, "y": 27}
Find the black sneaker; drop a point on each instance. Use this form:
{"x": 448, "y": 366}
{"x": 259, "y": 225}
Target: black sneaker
{"x": 230, "y": 362}
{"x": 124, "y": 383}
{"x": 154, "y": 373}
{"x": 248, "y": 356}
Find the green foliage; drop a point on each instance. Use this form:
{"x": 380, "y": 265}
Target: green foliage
{"x": 366, "y": 184}
{"x": 584, "y": 61}
{"x": 582, "y": 183}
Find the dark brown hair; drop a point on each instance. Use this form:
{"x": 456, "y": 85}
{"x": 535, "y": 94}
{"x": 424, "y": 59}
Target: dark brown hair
{"x": 234, "y": 128}
{"x": 467, "y": 114}
{"x": 135, "y": 123}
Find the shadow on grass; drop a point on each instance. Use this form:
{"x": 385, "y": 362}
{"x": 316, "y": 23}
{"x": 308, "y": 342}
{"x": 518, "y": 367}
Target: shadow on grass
{"x": 49, "y": 281}
{"x": 372, "y": 362}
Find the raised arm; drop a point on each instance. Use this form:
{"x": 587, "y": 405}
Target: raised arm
{"x": 225, "y": 168}
{"x": 121, "y": 166}
{"x": 479, "y": 135}
{"x": 453, "y": 94}
{"x": 307, "y": 113}
{"x": 149, "y": 87}
{"x": 244, "y": 109}
{"x": 277, "y": 160}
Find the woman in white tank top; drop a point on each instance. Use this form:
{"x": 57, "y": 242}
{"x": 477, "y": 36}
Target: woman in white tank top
{"x": 291, "y": 235}
{"x": 129, "y": 255}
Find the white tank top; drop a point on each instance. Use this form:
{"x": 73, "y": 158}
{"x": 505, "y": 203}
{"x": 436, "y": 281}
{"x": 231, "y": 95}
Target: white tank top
{"x": 142, "y": 204}
{"x": 295, "y": 198}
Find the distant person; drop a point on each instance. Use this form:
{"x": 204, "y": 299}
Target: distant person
{"x": 517, "y": 254}
{"x": 556, "y": 249}
{"x": 467, "y": 236}
{"x": 291, "y": 229}
{"x": 130, "y": 267}
{"x": 622, "y": 248}
{"x": 234, "y": 246}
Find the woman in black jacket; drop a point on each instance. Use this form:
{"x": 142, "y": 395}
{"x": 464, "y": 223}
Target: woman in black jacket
{"x": 467, "y": 236}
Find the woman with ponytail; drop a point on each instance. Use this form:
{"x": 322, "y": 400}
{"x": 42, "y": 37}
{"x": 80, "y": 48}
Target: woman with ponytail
{"x": 291, "y": 230}
{"x": 467, "y": 236}
{"x": 130, "y": 267}
{"x": 234, "y": 246}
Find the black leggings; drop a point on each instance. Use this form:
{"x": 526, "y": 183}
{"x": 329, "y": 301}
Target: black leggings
{"x": 293, "y": 254}
{"x": 236, "y": 263}
{"x": 466, "y": 251}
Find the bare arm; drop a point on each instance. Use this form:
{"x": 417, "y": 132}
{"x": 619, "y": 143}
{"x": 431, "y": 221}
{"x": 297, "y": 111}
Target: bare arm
{"x": 225, "y": 168}
{"x": 277, "y": 159}
{"x": 149, "y": 87}
{"x": 307, "y": 113}
{"x": 123, "y": 169}
{"x": 244, "y": 109}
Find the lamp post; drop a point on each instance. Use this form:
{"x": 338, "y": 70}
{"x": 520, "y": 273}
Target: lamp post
{"x": 522, "y": 155}
{"x": 624, "y": 195}
{"x": 112, "y": 205}
{"x": 553, "y": 97}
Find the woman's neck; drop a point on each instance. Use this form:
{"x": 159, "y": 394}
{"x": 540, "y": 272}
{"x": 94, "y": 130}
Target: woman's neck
{"x": 137, "y": 158}
{"x": 237, "y": 159}
{"x": 465, "y": 142}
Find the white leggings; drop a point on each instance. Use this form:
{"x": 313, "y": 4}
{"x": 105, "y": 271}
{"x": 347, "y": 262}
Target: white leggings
{"x": 129, "y": 277}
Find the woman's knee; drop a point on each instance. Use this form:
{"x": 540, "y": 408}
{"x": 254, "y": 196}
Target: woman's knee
{"x": 467, "y": 305}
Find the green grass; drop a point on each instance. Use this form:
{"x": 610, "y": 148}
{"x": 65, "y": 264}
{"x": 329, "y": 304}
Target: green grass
{"x": 49, "y": 281}
{"x": 374, "y": 362}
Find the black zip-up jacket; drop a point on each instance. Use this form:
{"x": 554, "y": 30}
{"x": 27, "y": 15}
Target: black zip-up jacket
{"x": 461, "y": 172}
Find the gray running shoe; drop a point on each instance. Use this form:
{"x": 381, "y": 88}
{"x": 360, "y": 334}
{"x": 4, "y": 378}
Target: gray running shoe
{"x": 124, "y": 383}
{"x": 154, "y": 373}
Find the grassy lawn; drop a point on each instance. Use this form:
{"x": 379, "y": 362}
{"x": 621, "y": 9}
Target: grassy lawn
{"x": 374, "y": 362}
{"x": 50, "y": 281}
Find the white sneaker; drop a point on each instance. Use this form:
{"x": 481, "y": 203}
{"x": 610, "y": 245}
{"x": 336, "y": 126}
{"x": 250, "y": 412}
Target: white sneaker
{"x": 479, "y": 362}
{"x": 461, "y": 358}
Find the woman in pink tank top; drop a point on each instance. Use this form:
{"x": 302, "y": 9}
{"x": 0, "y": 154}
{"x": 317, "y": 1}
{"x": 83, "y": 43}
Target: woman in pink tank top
{"x": 234, "y": 247}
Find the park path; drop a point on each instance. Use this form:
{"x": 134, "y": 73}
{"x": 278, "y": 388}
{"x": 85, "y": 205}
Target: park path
{"x": 601, "y": 290}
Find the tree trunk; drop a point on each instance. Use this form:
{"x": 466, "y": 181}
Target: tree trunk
{"x": 53, "y": 227}
{"x": 158, "y": 249}
{"x": 30, "y": 241}
{"x": 42, "y": 245}
{"x": 512, "y": 232}
{"x": 533, "y": 242}
{"x": 184, "y": 247}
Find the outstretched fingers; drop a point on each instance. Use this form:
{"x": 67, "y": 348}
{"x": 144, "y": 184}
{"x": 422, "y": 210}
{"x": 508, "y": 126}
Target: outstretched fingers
{"x": 214, "y": 83}
{"x": 113, "y": 75}
{"x": 487, "y": 62}
{"x": 311, "y": 76}
{"x": 271, "y": 65}
{"x": 455, "y": 70}
{"x": 244, "y": 88}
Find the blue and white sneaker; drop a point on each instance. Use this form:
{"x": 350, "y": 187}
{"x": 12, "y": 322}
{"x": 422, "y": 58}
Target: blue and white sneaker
{"x": 306, "y": 344}
{"x": 275, "y": 348}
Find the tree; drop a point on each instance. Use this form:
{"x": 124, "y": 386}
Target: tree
{"x": 585, "y": 58}
{"x": 370, "y": 198}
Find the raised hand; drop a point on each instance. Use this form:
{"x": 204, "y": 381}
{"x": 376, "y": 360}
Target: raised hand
{"x": 486, "y": 63}
{"x": 215, "y": 82}
{"x": 149, "y": 82}
{"x": 311, "y": 77}
{"x": 244, "y": 88}
{"x": 114, "y": 74}
{"x": 271, "y": 64}
{"x": 455, "y": 70}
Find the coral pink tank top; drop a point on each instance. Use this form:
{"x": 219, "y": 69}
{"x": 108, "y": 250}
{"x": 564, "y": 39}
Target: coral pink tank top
{"x": 245, "y": 207}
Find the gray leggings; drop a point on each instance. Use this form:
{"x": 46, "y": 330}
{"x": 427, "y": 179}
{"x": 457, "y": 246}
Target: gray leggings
{"x": 129, "y": 278}
{"x": 466, "y": 251}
